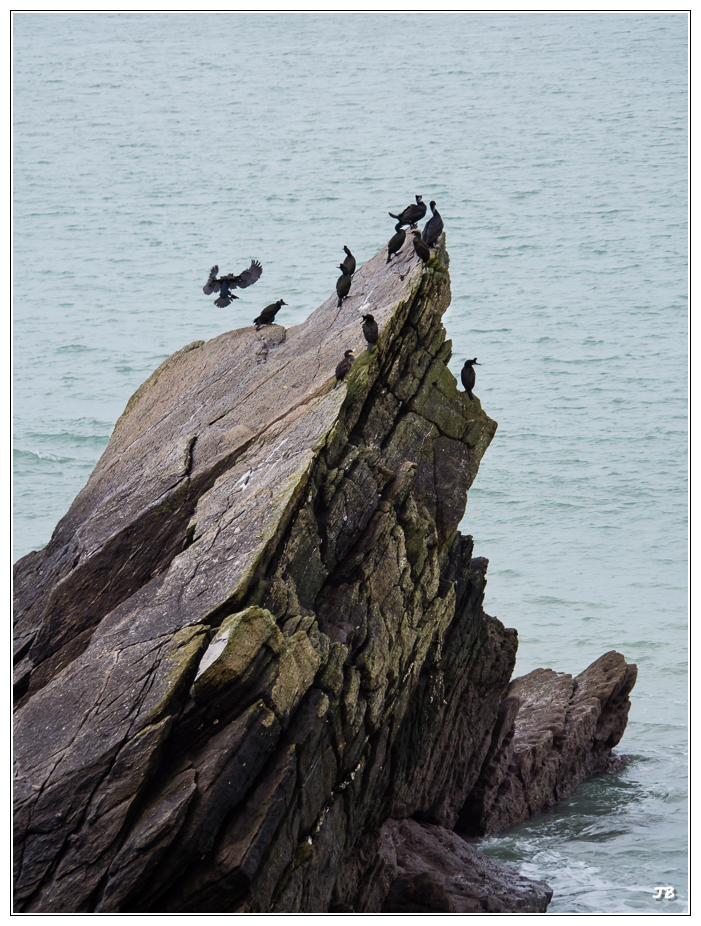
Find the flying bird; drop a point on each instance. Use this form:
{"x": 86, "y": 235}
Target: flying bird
{"x": 396, "y": 242}
{"x": 348, "y": 262}
{"x": 432, "y": 228}
{"x": 343, "y": 285}
{"x": 422, "y": 250}
{"x": 267, "y": 316}
{"x": 370, "y": 331}
{"x": 344, "y": 367}
{"x": 412, "y": 214}
{"x": 467, "y": 375}
{"x": 223, "y": 285}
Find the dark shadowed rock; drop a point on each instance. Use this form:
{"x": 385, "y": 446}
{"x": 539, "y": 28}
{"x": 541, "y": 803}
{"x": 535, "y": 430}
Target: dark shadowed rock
{"x": 435, "y": 871}
{"x": 257, "y": 635}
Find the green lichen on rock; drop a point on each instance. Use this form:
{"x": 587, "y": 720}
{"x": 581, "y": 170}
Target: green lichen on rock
{"x": 439, "y": 401}
{"x": 297, "y": 666}
{"x": 237, "y": 643}
{"x": 176, "y": 668}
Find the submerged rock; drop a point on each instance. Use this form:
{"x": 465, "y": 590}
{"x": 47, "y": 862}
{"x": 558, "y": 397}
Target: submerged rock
{"x": 257, "y": 638}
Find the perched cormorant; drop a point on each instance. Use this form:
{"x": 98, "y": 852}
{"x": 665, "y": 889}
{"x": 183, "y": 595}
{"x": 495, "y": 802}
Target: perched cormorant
{"x": 344, "y": 367}
{"x": 348, "y": 262}
{"x": 421, "y": 249}
{"x": 432, "y": 228}
{"x": 343, "y": 284}
{"x": 267, "y": 316}
{"x": 467, "y": 375}
{"x": 395, "y": 243}
{"x": 370, "y": 332}
{"x": 223, "y": 285}
{"x": 412, "y": 214}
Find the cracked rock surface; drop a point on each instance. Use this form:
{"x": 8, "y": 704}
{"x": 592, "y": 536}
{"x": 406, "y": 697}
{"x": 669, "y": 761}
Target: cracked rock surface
{"x": 252, "y": 668}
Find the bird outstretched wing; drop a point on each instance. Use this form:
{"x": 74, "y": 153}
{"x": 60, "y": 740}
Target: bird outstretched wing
{"x": 212, "y": 285}
{"x": 247, "y": 278}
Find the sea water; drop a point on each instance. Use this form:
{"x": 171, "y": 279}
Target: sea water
{"x": 148, "y": 147}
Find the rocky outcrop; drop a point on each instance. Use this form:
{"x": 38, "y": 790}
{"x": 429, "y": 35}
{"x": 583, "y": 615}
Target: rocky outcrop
{"x": 553, "y": 732}
{"x": 256, "y": 641}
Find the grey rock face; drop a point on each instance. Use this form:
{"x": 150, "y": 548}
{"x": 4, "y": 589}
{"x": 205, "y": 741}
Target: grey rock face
{"x": 257, "y": 636}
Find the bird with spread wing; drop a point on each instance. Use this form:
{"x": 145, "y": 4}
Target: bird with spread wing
{"x": 224, "y": 284}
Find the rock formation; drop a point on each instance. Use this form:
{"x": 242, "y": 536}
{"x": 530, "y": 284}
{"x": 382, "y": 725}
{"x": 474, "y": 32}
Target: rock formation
{"x": 553, "y": 732}
{"x": 253, "y": 671}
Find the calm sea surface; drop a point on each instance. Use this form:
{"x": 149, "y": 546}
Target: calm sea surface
{"x": 149, "y": 147}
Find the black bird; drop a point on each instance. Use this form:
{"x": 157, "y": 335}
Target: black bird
{"x": 223, "y": 285}
{"x": 267, "y": 316}
{"x": 370, "y": 332}
{"x": 421, "y": 249}
{"x": 395, "y": 243}
{"x": 412, "y": 214}
{"x": 343, "y": 285}
{"x": 467, "y": 375}
{"x": 432, "y": 228}
{"x": 344, "y": 367}
{"x": 348, "y": 262}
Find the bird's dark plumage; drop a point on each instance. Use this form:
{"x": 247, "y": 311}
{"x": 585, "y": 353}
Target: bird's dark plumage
{"x": 395, "y": 243}
{"x": 432, "y": 228}
{"x": 343, "y": 284}
{"x": 412, "y": 214}
{"x": 467, "y": 375}
{"x": 211, "y": 285}
{"x": 348, "y": 262}
{"x": 370, "y": 331}
{"x": 421, "y": 249}
{"x": 224, "y": 284}
{"x": 225, "y": 297}
{"x": 267, "y": 316}
{"x": 344, "y": 367}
